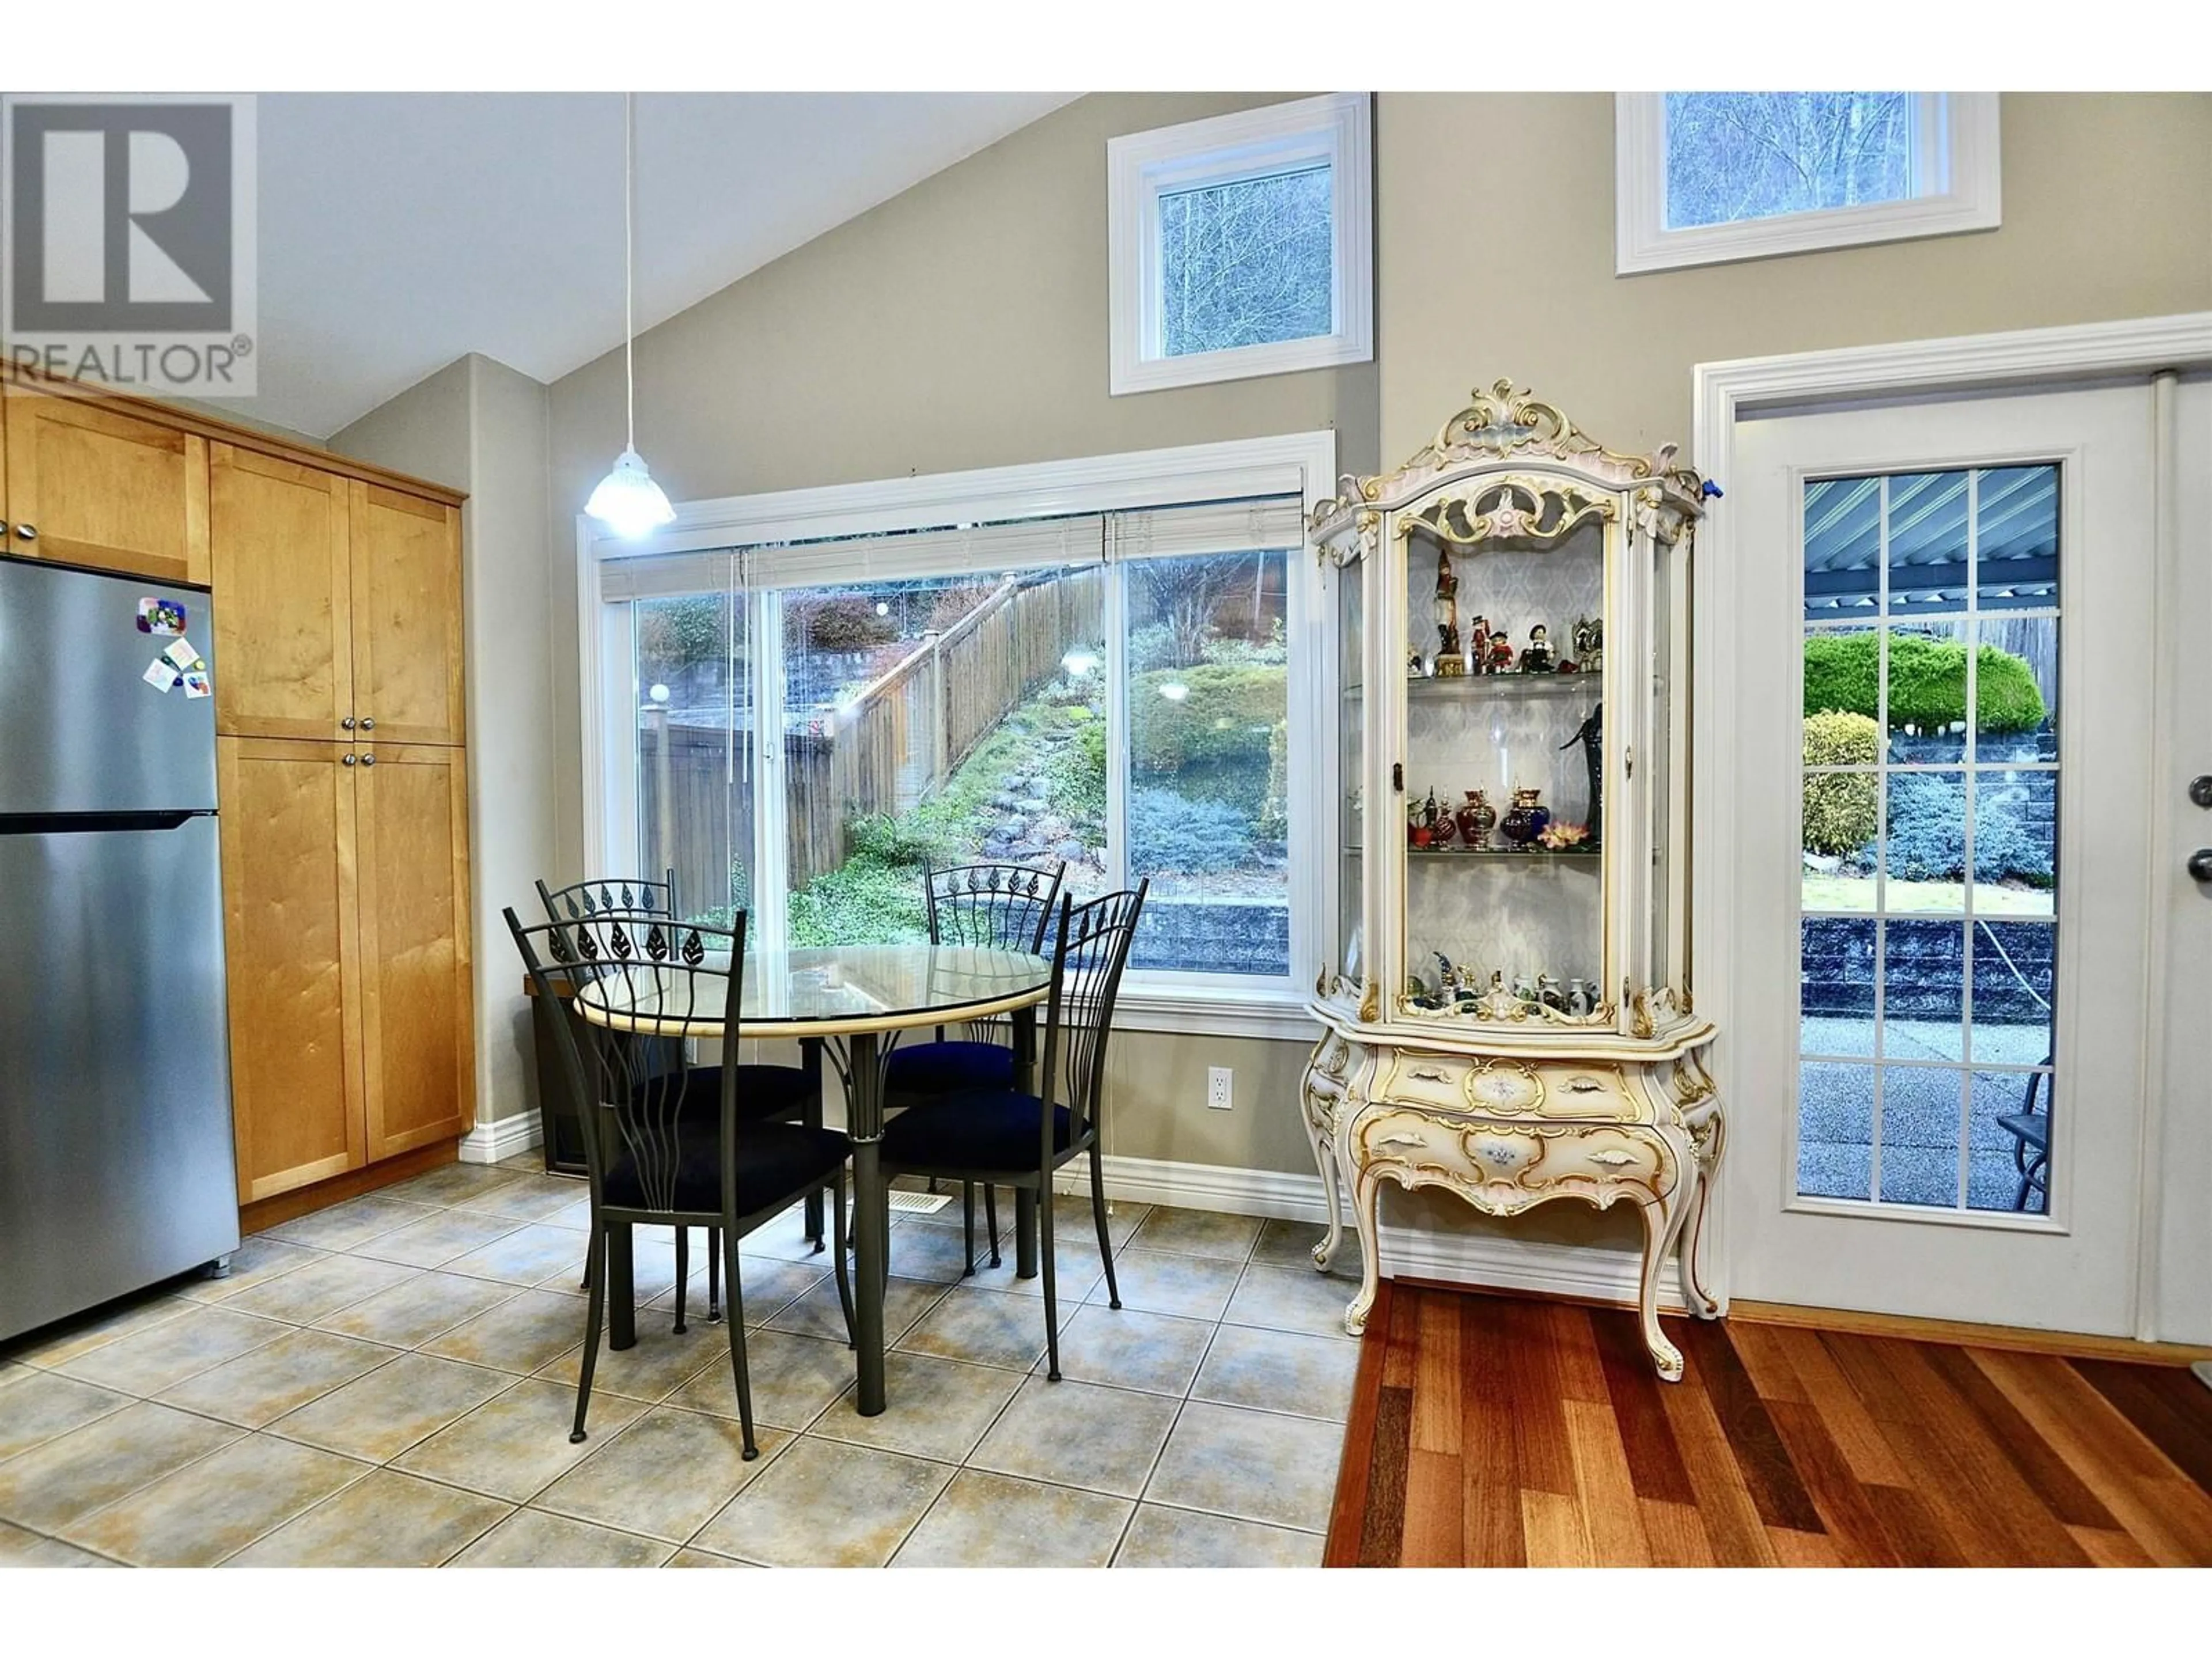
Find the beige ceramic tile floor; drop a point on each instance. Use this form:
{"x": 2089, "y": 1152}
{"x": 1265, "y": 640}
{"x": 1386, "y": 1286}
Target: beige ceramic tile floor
{"x": 390, "y": 1383}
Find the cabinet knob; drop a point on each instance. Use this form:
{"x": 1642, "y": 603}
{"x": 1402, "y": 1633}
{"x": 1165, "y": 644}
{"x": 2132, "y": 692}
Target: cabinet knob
{"x": 346, "y": 724}
{"x": 368, "y": 760}
{"x": 2200, "y": 864}
{"x": 27, "y": 532}
{"x": 349, "y": 760}
{"x": 369, "y": 725}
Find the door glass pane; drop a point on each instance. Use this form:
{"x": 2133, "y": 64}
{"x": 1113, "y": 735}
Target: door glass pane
{"x": 1352, "y": 775}
{"x": 1208, "y": 686}
{"x": 1929, "y": 830}
{"x": 2010, "y": 1128}
{"x": 694, "y": 727}
{"x": 947, "y": 719}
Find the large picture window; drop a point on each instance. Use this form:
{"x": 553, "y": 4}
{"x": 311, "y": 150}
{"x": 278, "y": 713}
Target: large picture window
{"x": 1705, "y": 177}
{"x": 801, "y": 728}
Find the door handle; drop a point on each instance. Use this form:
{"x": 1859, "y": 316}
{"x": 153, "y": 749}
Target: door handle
{"x": 2200, "y": 790}
{"x": 2200, "y": 864}
{"x": 27, "y": 532}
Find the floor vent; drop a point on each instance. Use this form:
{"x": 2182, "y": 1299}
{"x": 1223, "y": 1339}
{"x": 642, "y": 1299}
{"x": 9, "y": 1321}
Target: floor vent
{"x": 921, "y": 1203}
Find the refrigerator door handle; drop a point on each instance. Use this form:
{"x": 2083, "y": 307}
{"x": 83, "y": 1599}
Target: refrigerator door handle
{"x": 75, "y": 823}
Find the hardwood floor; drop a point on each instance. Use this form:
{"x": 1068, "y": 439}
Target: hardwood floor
{"x": 1493, "y": 1432}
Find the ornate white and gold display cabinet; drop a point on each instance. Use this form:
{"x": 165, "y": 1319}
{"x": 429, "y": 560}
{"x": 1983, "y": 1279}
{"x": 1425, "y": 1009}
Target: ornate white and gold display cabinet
{"x": 1509, "y": 1014}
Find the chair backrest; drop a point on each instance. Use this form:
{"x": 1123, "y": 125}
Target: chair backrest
{"x": 629, "y": 1086}
{"x": 609, "y": 895}
{"x": 1087, "y": 961}
{"x": 1004, "y": 906}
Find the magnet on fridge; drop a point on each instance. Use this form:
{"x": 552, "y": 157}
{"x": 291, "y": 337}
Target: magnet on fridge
{"x": 159, "y": 616}
{"x": 197, "y": 683}
{"x": 161, "y": 674}
{"x": 185, "y": 654}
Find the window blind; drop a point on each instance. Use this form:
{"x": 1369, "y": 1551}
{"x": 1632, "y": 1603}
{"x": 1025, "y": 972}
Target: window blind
{"x": 1255, "y": 525}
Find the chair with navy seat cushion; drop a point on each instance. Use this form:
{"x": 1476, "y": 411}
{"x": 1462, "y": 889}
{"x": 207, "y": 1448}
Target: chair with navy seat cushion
{"x": 1004, "y": 1137}
{"x": 611, "y": 914}
{"x": 667, "y": 1143}
{"x": 1006, "y": 907}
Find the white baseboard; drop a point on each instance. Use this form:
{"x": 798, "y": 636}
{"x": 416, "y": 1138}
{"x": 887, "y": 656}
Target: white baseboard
{"x": 1454, "y": 1258}
{"x": 501, "y": 1137}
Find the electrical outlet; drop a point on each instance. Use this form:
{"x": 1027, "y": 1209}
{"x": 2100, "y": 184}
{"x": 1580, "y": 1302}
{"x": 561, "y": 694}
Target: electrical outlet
{"x": 1220, "y": 1087}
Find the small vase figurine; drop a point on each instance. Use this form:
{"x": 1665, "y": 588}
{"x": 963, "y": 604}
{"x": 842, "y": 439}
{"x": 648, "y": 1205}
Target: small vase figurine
{"x": 1525, "y": 819}
{"x": 1417, "y": 828}
{"x": 1477, "y": 818}
{"x": 1536, "y": 655}
{"x": 1579, "y": 1002}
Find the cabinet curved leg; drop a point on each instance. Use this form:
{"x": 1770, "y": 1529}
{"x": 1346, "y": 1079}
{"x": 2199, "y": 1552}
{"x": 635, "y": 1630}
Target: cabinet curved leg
{"x": 1325, "y": 1158}
{"x": 1696, "y": 1290}
{"x": 1662, "y": 1221}
{"x": 1366, "y": 1201}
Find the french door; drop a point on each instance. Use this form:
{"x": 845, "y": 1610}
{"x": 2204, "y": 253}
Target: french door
{"x": 1945, "y": 837}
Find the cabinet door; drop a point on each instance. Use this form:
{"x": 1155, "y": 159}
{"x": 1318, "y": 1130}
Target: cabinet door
{"x": 90, "y": 485}
{"x": 406, "y": 616}
{"x": 283, "y": 605}
{"x": 418, "y": 1039}
{"x": 294, "y": 959}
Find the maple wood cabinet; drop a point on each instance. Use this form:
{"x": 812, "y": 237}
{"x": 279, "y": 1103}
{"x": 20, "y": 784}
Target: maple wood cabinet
{"x": 341, "y": 777}
{"x": 91, "y": 484}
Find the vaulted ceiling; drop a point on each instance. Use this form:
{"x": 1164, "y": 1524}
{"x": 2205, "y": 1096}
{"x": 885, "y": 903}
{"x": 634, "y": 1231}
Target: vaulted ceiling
{"x": 398, "y": 231}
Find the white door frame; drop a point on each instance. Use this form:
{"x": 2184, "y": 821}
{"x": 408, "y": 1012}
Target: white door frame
{"x": 1724, "y": 393}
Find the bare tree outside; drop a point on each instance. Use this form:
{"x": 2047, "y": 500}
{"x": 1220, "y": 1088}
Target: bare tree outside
{"x": 1734, "y": 155}
{"x": 1246, "y": 263}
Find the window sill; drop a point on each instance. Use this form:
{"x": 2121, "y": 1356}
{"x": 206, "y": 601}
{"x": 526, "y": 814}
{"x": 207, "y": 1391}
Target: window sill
{"x": 1279, "y": 1015}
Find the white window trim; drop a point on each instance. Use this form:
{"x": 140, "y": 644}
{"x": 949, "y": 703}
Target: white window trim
{"x": 1336, "y": 127}
{"x": 1966, "y": 141}
{"x": 1302, "y": 463}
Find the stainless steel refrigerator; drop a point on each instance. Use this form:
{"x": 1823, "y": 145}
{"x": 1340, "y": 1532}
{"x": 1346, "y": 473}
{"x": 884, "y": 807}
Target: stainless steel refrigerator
{"x": 116, "y": 1163}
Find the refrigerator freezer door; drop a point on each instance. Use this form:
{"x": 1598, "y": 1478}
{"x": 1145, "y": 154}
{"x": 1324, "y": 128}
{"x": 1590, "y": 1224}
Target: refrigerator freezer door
{"x": 116, "y": 1167}
{"x": 82, "y": 729}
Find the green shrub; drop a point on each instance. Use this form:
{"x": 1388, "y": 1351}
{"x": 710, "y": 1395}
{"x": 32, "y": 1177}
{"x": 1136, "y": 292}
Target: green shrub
{"x": 1927, "y": 681}
{"x": 1842, "y": 809}
{"x": 1169, "y": 832}
{"x": 1273, "y": 822}
{"x": 863, "y": 901}
{"x": 1227, "y": 714}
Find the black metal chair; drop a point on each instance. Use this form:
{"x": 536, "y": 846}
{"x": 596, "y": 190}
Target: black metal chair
{"x": 1017, "y": 1139}
{"x": 589, "y": 909}
{"x": 655, "y": 1158}
{"x": 1006, "y": 907}
{"x": 2031, "y": 1145}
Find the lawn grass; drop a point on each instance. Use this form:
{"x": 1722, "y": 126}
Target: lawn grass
{"x": 1856, "y": 893}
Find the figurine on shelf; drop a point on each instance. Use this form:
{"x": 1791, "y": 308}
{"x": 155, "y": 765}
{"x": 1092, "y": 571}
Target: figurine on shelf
{"x": 1525, "y": 819}
{"x": 1588, "y": 636}
{"x": 1449, "y": 661}
{"x": 1590, "y": 734}
{"x": 1478, "y": 642}
{"x": 1548, "y": 993}
{"x": 1417, "y": 827}
{"x": 1524, "y": 988}
{"x": 1536, "y": 655}
{"x": 1580, "y": 1003}
{"x": 1415, "y": 668}
{"x": 1445, "y": 831}
{"x": 1562, "y": 838}
{"x": 1501, "y": 654}
{"x": 1477, "y": 818}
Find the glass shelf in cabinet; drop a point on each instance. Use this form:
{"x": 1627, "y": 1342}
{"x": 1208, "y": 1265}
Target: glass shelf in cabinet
{"x": 1503, "y": 685}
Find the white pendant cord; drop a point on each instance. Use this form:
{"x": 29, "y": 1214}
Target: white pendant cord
{"x": 630, "y": 268}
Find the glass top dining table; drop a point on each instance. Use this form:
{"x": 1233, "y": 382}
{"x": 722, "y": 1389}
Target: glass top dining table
{"x": 850, "y": 998}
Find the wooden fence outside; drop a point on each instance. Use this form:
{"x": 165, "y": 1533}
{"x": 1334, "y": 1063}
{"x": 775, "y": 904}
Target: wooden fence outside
{"x": 886, "y": 751}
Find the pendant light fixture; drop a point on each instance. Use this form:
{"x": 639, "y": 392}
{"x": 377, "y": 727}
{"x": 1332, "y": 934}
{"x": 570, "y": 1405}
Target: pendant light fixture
{"x": 627, "y": 501}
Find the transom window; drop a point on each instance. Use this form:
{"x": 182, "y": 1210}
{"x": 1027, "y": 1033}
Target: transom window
{"x": 1240, "y": 244}
{"x": 1929, "y": 819}
{"x": 1710, "y": 176}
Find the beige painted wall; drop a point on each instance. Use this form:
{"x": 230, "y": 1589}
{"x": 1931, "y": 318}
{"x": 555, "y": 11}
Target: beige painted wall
{"x": 481, "y": 427}
{"x": 961, "y": 324}
{"x": 1494, "y": 222}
